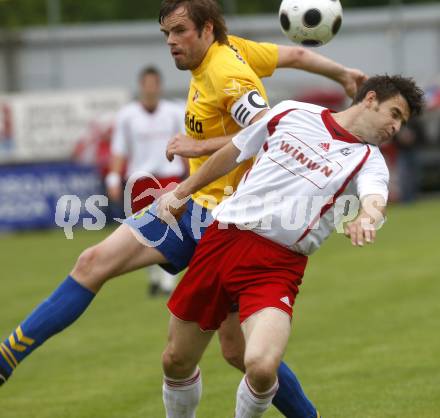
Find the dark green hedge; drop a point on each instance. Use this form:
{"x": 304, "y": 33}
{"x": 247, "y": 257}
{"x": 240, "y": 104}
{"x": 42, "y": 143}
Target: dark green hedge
{"x": 19, "y": 13}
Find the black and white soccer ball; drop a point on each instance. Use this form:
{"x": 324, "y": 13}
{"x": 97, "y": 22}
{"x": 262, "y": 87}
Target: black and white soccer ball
{"x": 310, "y": 22}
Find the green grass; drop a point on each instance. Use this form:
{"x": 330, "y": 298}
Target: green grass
{"x": 366, "y": 339}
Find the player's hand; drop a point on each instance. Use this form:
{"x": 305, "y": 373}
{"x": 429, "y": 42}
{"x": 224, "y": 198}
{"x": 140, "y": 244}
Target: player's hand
{"x": 184, "y": 146}
{"x": 351, "y": 80}
{"x": 360, "y": 231}
{"x": 170, "y": 208}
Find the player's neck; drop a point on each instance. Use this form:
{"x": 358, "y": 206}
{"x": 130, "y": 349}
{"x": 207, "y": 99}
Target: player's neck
{"x": 351, "y": 121}
{"x": 203, "y": 56}
{"x": 149, "y": 105}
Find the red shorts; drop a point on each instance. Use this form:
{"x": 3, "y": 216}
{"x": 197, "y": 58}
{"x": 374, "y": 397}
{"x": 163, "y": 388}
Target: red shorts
{"x": 145, "y": 183}
{"x": 233, "y": 266}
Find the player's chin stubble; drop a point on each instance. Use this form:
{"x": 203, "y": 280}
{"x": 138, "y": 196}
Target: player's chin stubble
{"x": 181, "y": 66}
{"x": 184, "y": 65}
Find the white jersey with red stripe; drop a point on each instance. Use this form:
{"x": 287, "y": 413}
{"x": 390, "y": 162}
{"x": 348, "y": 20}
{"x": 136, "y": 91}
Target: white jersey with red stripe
{"x": 142, "y": 137}
{"x": 305, "y": 163}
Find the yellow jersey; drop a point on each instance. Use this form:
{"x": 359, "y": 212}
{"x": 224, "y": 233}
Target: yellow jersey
{"x": 226, "y": 74}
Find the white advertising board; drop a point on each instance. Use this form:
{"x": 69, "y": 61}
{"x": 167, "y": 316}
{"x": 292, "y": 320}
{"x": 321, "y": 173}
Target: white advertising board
{"x": 47, "y": 126}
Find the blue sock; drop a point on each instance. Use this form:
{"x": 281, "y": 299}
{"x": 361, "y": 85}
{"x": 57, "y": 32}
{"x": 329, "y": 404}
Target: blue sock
{"x": 290, "y": 399}
{"x": 57, "y": 312}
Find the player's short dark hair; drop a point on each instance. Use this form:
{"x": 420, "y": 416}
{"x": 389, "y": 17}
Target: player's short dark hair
{"x": 200, "y": 12}
{"x": 386, "y": 87}
{"x": 150, "y": 70}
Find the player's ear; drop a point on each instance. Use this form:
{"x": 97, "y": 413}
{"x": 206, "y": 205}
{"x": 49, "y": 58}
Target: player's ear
{"x": 370, "y": 98}
{"x": 208, "y": 28}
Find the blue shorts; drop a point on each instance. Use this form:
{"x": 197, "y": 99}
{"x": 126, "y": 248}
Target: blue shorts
{"x": 177, "y": 243}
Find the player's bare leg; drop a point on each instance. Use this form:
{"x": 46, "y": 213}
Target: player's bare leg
{"x": 232, "y": 341}
{"x": 120, "y": 253}
{"x": 266, "y": 334}
{"x": 182, "y": 386}
{"x": 290, "y": 399}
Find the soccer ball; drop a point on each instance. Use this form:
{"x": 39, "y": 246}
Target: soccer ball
{"x": 310, "y": 22}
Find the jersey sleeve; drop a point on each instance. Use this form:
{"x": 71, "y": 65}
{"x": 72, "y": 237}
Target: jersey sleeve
{"x": 235, "y": 76}
{"x": 250, "y": 140}
{"x": 261, "y": 56}
{"x": 373, "y": 177}
{"x": 239, "y": 92}
{"x": 119, "y": 143}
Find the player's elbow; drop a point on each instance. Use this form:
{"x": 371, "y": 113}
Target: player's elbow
{"x": 296, "y": 56}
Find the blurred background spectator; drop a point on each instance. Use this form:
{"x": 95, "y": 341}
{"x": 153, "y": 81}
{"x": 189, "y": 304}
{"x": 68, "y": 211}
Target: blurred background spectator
{"x": 408, "y": 142}
{"x": 138, "y": 156}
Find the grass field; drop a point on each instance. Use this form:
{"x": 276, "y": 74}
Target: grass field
{"x": 366, "y": 340}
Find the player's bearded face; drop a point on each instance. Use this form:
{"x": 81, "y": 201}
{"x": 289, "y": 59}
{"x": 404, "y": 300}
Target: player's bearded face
{"x": 187, "y": 45}
{"x": 386, "y": 119}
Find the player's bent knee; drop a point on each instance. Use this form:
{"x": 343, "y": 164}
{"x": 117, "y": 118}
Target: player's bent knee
{"x": 261, "y": 372}
{"x": 84, "y": 263}
{"x": 176, "y": 365}
{"x": 233, "y": 354}
{"x": 87, "y": 269}
{"x": 232, "y": 343}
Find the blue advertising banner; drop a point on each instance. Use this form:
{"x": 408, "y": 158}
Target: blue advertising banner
{"x": 29, "y": 192}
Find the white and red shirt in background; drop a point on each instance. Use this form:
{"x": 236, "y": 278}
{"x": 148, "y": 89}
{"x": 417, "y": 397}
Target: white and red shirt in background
{"x": 142, "y": 138}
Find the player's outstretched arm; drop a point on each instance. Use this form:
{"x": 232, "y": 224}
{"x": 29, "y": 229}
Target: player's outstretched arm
{"x": 307, "y": 60}
{"x": 188, "y": 147}
{"x": 370, "y": 218}
{"x": 217, "y": 165}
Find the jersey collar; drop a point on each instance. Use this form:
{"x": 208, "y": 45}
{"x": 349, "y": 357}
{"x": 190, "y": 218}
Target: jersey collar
{"x": 336, "y": 130}
{"x": 206, "y": 59}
